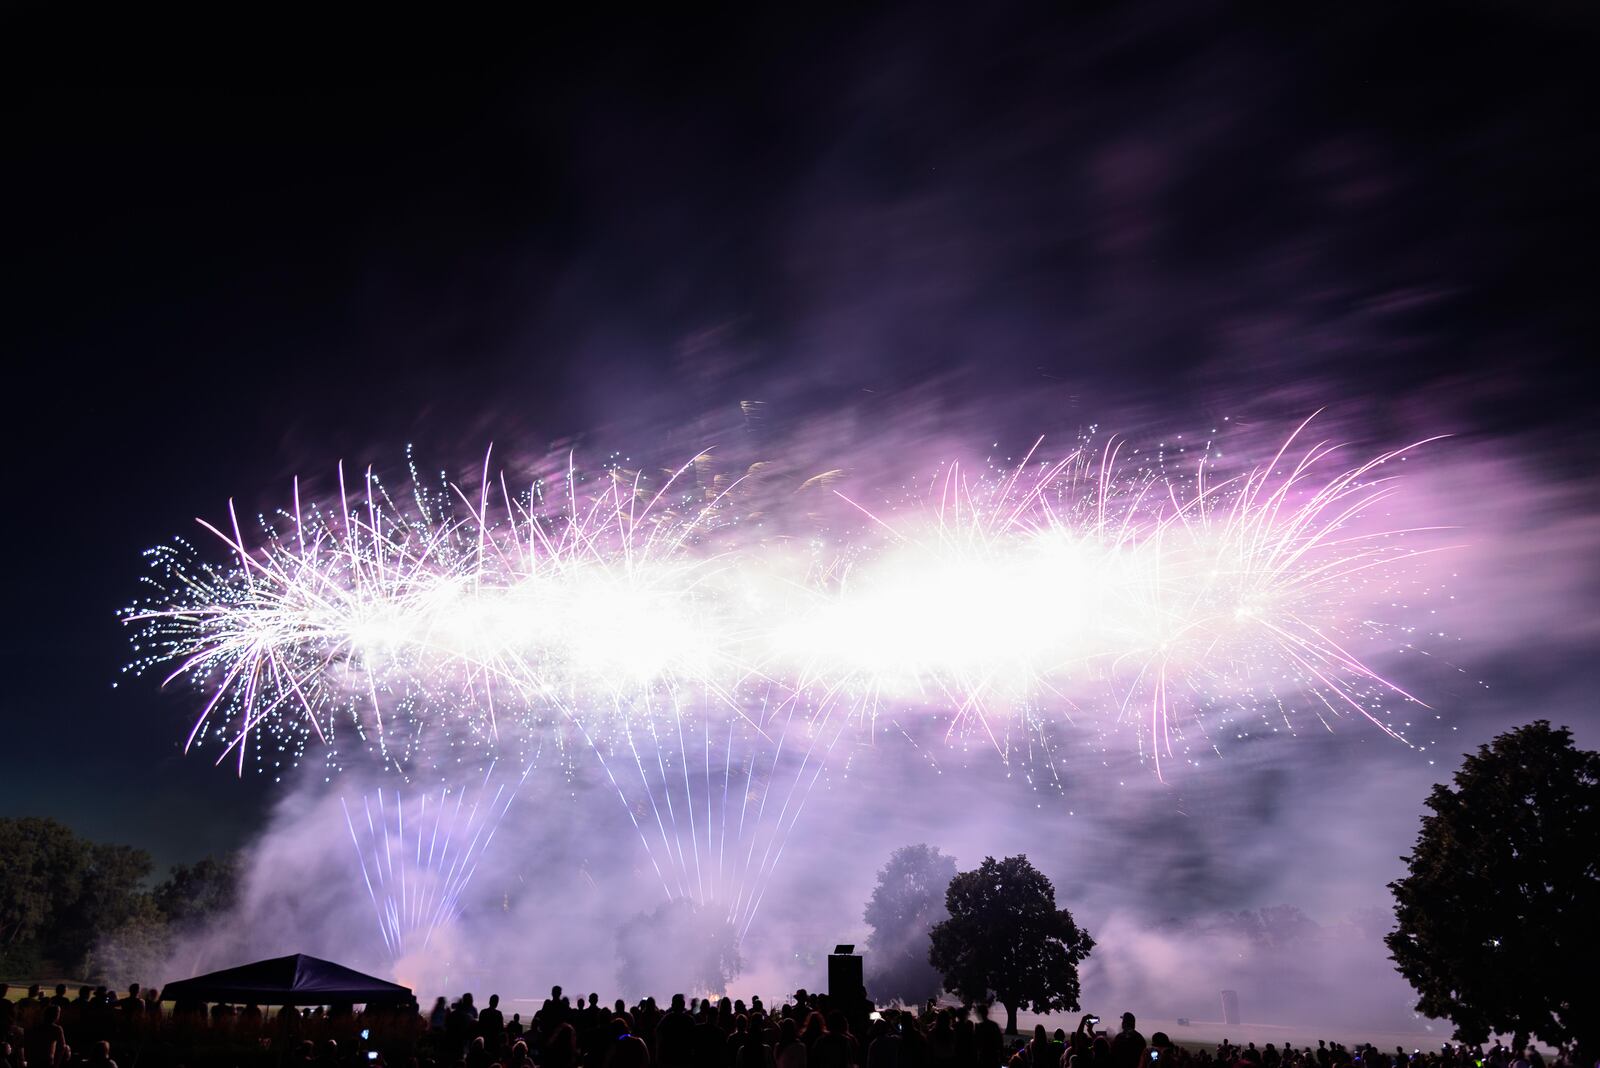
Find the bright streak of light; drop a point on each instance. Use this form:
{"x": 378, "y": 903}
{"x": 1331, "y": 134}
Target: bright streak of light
{"x": 416, "y": 868}
{"x": 712, "y": 668}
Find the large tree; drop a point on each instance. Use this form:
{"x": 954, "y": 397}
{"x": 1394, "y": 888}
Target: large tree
{"x": 1006, "y": 941}
{"x": 111, "y": 895}
{"x": 44, "y": 866}
{"x": 135, "y": 950}
{"x": 192, "y": 894}
{"x": 60, "y": 892}
{"x": 905, "y": 905}
{"x": 1497, "y": 919}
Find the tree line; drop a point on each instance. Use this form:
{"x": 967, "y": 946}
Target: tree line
{"x": 1495, "y": 923}
{"x": 72, "y": 908}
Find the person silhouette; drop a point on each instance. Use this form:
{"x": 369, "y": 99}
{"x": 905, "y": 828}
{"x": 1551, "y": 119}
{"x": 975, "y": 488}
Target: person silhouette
{"x": 989, "y": 1038}
{"x": 1128, "y": 1045}
{"x": 675, "y": 1036}
{"x": 491, "y": 1022}
{"x": 440, "y": 1015}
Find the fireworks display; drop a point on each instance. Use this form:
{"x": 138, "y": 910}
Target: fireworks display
{"x": 418, "y": 855}
{"x": 712, "y": 640}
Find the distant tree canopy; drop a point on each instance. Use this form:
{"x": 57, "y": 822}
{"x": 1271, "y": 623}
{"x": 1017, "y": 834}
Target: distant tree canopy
{"x": 194, "y": 893}
{"x": 1006, "y": 941}
{"x": 905, "y": 905}
{"x": 45, "y": 865}
{"x": 1497, "y": 918}
{"x": 80, "y": 907}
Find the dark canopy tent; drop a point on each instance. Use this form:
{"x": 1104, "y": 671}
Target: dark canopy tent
{"x": 294, "y": 980}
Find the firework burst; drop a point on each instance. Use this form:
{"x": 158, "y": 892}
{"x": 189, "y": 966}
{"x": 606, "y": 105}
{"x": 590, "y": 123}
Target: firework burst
{"x": 1173, "y": 599}
{"x": 713, "y": 668}
{"x": 418, "y": 855}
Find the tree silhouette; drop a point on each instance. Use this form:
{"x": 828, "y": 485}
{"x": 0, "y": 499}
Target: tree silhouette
{"x": 136, "y": 949}
{"x": 1006, "y": 941}
{"x": 112, "y": 893}
{"x": 1497, "y": 918}
{"x": 74, "y": 907}
{"x": 191, "y": 894}
{"x": 60, "y": 892}
{"x": 906, "y": 903}
{"x": 45, "y": 866}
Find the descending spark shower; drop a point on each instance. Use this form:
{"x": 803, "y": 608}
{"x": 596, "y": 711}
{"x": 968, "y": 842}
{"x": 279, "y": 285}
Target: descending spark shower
{"x": 416, "y": 878}
{"x": 712, "y": 640}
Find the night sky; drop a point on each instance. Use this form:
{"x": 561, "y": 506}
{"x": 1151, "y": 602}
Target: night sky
{"x": 236, "y": 252}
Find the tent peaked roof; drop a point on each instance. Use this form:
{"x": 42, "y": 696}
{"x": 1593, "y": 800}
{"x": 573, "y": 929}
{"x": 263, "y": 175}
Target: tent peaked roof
{"x": 292, "y": 980}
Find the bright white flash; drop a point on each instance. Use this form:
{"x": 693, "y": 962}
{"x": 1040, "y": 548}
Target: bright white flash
{"x": 1143, "y": 596}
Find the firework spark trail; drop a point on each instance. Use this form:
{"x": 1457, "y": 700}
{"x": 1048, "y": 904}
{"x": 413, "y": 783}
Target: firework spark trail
{"x": 1003, "y": 598}
{"x": 701, "y": 793}
{"x": 414, "y": 894}
{"x": 1001, "y": 601}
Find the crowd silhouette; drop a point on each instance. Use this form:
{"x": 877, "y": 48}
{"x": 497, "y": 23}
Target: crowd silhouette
{"x": 99, "y": 1027}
